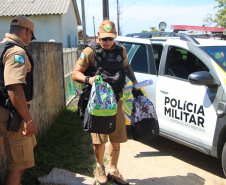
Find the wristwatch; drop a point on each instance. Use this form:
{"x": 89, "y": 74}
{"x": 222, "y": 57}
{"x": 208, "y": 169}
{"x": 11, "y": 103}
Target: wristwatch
{"x": 87, "y": 80}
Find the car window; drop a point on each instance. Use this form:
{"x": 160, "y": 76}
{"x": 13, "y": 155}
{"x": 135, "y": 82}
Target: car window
{"x": 218, "y": 53}
{"x": 157, "y": 49}
{"x": 137, "y": 57}
{"x": 181, "y": 63}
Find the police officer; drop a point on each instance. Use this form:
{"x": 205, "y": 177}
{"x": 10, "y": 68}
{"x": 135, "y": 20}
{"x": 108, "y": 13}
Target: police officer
{"x": 18, "y": 145}
{"x": 107, "y": 52}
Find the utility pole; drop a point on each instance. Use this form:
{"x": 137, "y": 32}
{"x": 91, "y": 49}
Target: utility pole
{"x": 94, "y": 29}
{"x": 118, "y": 19}
{"x": 83, "y": 22}
{"x": 105, "y": 10}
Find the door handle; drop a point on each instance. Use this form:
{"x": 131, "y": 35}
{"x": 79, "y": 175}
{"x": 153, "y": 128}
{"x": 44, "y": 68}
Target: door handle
{"x": 164, "y": 92}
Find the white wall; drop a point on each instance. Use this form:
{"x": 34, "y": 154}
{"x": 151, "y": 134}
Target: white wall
{"x": 4, "y": 26}
{"x": 69, "y": 26}
{"x": 48, "y": 27}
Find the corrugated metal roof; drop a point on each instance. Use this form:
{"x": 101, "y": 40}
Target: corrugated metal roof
{"x": 33, "y": 7}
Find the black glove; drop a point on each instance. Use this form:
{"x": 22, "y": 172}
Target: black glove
{"x": 137, "y": 93}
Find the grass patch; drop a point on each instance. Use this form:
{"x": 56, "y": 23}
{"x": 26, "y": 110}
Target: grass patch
{"x": 64, "y": 145}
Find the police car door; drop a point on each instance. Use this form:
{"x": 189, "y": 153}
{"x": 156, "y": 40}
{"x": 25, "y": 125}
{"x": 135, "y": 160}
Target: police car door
{"x": 141, "y": 58}
{"x": 185, "y": 111}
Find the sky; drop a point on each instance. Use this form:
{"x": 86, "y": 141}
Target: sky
{"x": 138, "y": 15}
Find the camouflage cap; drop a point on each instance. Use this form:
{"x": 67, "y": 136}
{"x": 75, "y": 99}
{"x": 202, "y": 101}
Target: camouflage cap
{"x": 107, "y": 29}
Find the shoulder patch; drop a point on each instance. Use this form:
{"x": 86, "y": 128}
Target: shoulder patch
{"x": 82, "y": 56}
{"x": 19, "y": 58}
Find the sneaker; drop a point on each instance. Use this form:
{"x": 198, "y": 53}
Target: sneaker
{"x": 117, "y": 178}
{"x": 100, "y": 175}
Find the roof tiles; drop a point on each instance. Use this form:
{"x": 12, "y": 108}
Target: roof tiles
{"x": 33, "y": 7}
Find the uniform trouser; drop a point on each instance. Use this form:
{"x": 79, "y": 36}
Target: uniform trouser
{"x": 18, "y": 148}
{"x": 119, "y": 135}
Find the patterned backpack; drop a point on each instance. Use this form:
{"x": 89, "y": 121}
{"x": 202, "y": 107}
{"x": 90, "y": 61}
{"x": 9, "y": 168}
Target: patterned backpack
{"x": 143, "y": 117}
{"x": 100, "y": 114}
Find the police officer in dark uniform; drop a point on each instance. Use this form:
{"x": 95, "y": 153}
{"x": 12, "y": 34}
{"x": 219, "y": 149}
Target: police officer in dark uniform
{"x": 15, "y": 65}
{"x": 111, "y": 57}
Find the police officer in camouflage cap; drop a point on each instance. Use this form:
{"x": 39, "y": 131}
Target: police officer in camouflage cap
{"x": 112, "y": 57}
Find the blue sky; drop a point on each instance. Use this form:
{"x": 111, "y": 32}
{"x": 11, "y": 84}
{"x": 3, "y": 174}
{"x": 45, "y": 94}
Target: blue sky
{"x": 138, "y": 15}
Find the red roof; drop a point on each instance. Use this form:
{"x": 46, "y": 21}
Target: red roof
{"x": 197, "y": 28}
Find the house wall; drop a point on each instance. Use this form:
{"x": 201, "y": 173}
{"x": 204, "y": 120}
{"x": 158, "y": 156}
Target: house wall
{"x": 50, "y": 27}
{"x": 47, "y": 27}
{"x": 5, "y": 26}
{"x": 69, "y": 28}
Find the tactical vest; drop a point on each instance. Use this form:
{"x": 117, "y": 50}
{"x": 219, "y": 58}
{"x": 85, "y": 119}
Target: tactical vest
{"x": 28, "y": 88}
{"x": 111, "y": 64}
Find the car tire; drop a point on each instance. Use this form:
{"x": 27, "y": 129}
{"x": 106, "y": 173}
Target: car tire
{"x": 223, "y": 159}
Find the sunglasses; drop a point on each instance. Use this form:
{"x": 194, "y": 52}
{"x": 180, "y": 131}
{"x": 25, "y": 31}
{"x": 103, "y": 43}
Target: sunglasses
{"x": 107, "y": 38}
{"x": 32, "y": 37}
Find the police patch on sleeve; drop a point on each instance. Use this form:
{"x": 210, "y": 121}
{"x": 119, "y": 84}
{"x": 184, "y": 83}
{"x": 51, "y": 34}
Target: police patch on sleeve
{"x": 82, "y": 56}
{"x": 19, "y": 58}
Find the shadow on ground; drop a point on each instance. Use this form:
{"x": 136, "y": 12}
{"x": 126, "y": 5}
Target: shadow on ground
{"x": 167, "y": 147}
{"x": 190, "y": 179}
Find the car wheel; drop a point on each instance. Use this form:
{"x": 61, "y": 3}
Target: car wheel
{"x": 223, "y": 159}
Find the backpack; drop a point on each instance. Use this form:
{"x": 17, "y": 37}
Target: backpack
{"x": 143, "y": 117}
{"x": 100, "y": 114}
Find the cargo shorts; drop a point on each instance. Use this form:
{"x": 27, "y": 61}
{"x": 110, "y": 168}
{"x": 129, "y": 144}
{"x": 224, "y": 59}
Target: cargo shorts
{"x": 119, "y": 135}
{"x": 18, "y": 148}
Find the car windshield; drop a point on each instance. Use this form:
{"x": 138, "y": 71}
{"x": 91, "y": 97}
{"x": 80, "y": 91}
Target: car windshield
{"x": 218, "y": 53}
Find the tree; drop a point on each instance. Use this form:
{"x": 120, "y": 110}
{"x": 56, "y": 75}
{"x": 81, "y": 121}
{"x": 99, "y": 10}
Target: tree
{"x": 152, "y": 29}
{"x": 220, "y": 16}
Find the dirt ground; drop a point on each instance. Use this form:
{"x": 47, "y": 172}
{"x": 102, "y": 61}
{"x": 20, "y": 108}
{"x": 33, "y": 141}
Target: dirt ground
{"x": 163, "y": 162}
{"x": 160, "y": 161}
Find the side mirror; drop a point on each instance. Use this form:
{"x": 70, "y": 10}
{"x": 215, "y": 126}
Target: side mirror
{"x": 202, "y": 78}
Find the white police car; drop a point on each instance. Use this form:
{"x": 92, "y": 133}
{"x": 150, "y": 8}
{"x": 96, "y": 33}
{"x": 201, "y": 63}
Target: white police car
{"x": 189, "y": 89}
